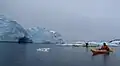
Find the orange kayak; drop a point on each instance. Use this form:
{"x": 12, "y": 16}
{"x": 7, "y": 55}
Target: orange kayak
{"x": 96, "y": 51}
{"x": 99, "y": 51}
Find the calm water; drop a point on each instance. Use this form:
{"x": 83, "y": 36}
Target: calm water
{"x": 27, "y": 55}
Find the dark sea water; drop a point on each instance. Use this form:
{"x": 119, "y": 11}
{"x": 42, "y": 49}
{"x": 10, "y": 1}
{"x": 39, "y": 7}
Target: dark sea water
{"x": 27, "y": 55}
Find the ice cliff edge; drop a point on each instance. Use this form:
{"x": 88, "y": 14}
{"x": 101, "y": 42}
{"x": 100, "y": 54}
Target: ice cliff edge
{"x": 11, "y": 31}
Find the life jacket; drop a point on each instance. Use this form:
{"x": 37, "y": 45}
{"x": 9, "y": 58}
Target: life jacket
{"x": 105, "y": 48}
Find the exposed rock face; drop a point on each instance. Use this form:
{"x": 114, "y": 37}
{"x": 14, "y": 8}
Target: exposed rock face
{"x": 24, "y": 40}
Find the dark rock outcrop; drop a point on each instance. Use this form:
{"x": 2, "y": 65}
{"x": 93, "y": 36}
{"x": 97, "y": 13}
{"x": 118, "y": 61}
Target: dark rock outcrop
{"x": 24, "y": 40}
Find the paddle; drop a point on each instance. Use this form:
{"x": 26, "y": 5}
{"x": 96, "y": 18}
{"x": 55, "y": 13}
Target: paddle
{"x": 112, "y": 49}
{"x": 92, "y": 47}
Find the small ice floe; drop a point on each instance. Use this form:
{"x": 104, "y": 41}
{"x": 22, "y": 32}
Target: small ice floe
{"x": 43, "y": 49}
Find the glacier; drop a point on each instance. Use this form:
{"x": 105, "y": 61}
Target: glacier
{"x": 11, "y": 31}
{"x": 43, "y": 35}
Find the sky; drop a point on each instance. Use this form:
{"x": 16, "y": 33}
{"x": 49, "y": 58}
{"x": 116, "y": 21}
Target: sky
{"x": 73, "y": 19}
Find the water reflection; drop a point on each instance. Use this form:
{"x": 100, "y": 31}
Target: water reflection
{"x": 105, "y": 59}
{"x": 87, "y": 49}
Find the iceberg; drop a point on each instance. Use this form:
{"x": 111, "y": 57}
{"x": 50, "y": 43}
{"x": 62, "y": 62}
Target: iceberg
{"x": 115, "y": 41}
{"x": 92, "y": 44}
{"x": 43, "y": 35}
{"x": 101, "y": 43}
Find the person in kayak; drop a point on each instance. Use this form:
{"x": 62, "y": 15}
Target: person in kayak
{"x": 104, "y": 47}
{"x": 86, "y": 44}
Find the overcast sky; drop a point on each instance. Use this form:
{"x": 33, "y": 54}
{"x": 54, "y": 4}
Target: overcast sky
{"x": 74, "y": 19}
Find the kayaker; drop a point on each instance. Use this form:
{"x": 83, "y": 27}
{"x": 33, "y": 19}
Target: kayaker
{"x": 104, "y": 47}
{"x": 86, "y": 44}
